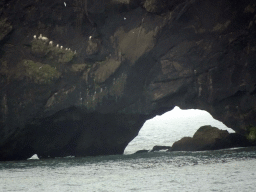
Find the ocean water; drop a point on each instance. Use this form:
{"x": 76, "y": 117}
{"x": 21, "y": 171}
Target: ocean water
{"x": 223, "y": 170}
{"x": 220, "y": 170}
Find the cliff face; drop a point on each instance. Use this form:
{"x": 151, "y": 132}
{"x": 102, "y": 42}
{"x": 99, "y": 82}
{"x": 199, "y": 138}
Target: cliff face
{"x": 122, "y": 62}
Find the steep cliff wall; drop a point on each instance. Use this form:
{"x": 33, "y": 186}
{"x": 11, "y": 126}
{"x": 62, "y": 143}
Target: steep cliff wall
{"x": 100, "y": 69}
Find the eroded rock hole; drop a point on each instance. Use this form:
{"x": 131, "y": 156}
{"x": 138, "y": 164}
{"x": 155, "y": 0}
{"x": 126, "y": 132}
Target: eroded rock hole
{"x": 172, "y": 126}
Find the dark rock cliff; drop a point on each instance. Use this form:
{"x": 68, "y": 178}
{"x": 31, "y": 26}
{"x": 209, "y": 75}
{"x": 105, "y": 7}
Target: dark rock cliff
{"x": 101, "y": 68}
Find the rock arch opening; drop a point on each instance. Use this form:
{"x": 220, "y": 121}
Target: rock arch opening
{"x": 170, "y": 127}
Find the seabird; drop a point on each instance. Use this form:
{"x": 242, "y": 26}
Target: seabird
{"x": 44, "y": 38}
{"x": 65, "y": 4}
{"x": 34, "y": 36}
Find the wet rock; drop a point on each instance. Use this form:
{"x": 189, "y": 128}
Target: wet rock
{"x": 211, "y": 138}
{"x": 231, "y": 141}
{"x": 205, "y": 138}
{"x": 184, "y": 144}
{"x": 141, "y": 151}
{"x": 238, "y": 140}
{"x": 160, "y": 148}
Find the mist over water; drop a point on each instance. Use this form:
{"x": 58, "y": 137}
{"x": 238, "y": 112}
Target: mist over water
{"x": 170, "y": 127}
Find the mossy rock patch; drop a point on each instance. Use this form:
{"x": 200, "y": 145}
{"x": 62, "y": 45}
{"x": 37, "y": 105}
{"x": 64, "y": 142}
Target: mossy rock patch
{"x": 52, "y": 53}
{"x": 251, "y": 135}
{"x": 79, "y": 67}
{"x": 40, "y": 48}
{"x": 36, "y": 72}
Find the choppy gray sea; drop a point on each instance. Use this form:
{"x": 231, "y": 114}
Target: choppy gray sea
{"x": 222, "y": 170}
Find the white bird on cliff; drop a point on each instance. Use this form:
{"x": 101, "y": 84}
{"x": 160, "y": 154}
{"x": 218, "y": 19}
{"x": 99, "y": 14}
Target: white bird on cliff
{"x": 45, "y": 39}
{"x": 50, "y": 43}
{"x": 61, "y": 47}
{"x": 90, "y": 37}
{"x": 57, "y": 45}
{"x": 66, "y": 49}
{"x": 34, "y": 36}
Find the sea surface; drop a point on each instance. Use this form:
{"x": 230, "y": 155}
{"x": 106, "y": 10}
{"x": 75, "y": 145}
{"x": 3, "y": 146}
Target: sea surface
{"x": 220, "y": 170}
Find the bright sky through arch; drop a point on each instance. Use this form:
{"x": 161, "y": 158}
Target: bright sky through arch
{"x": 170, "y": 127}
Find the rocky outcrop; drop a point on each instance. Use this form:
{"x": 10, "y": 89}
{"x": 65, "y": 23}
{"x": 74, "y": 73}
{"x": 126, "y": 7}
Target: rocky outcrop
{"x": 141, "y": 151}
{"x": 210, "y": 138}
{"x": 111, "y": 65}
{"x": 160, "y": 148}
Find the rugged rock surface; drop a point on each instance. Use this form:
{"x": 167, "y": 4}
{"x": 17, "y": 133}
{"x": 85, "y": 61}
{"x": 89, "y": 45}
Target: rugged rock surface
{"x": 128, "y": 61}
{"x": 210, "y": 138}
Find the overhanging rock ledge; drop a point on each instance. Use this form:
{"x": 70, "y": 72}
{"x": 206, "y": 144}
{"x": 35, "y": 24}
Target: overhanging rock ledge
{"x": 82, "y": 79}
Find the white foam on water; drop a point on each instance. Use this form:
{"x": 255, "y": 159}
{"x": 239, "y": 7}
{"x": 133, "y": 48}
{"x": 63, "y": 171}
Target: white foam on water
{"x": 34, "y": 157}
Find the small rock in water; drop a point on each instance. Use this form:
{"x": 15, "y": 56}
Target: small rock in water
{"x": 141, "y": 151}
{"x": 161, "y": 148}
